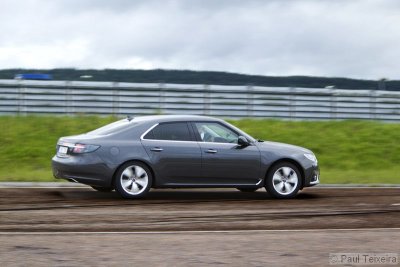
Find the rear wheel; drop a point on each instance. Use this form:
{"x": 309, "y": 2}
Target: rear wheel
{"x": 102, "y": 189}
{"x": 283, "y": 180}
{"x": 133, "y": 180}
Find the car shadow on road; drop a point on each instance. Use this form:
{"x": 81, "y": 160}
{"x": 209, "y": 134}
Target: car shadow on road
{"x": 183, "y": 195}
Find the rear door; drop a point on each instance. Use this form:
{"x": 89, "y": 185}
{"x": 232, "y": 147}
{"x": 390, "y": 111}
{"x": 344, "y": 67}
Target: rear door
{"x": 174, "y": 153}
{"x": 224, "y": 162}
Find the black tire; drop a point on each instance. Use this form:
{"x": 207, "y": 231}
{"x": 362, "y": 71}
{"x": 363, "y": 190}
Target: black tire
{"x": 284, "y": 185}
{"x": 102, "y": 189}
{"x": 247, "y": 189}
{"x": 135, "y": 185}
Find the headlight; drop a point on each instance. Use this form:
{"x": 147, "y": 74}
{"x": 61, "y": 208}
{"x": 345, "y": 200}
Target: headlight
{"x": 311, "y": 157}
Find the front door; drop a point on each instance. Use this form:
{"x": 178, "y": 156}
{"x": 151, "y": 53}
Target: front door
{"x": 224, "y": 162}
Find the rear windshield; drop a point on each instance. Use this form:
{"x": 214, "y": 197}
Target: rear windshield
{"x": 112, "y": 127}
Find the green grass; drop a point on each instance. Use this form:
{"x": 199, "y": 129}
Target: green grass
{"x": 348, "y": 151}
{"x": 27, "y": 144}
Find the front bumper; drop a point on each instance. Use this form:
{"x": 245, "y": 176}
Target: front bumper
{"x": 311, "y": 176}
{"x": 86, "y": 169}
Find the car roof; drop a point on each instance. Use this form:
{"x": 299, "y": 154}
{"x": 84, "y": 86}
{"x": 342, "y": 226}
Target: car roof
{"x": 172, "y": 118}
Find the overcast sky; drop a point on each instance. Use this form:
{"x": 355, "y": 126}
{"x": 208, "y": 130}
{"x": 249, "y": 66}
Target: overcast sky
{"x": 359, "y": 39}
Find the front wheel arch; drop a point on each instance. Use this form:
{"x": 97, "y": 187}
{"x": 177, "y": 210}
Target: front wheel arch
{"x": 296, "y": 163}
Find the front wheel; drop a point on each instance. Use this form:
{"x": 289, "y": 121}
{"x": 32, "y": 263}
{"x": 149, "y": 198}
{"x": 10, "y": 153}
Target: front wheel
{"x": 283, "y": 180}
{"x": 133, "y": 180}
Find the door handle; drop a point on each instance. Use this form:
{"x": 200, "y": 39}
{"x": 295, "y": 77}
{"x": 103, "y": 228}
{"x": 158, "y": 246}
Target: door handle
{"x": 156, "y": 149}
{"x": 212, "y": 151}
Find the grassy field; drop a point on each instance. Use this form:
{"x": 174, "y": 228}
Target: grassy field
{"x": 348, "y": 151}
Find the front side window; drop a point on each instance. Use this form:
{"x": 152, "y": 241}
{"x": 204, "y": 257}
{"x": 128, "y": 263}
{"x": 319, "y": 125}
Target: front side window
{"x": 177, "y": 131}
{"x": 215, "y": 132}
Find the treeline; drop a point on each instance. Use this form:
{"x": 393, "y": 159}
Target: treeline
{"x": 205, "y": 77}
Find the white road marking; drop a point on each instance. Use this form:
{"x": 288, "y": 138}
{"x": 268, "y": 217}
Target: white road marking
{"x": 201, "y": 231}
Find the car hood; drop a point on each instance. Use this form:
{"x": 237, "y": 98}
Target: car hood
{"x": 281, "y": 147}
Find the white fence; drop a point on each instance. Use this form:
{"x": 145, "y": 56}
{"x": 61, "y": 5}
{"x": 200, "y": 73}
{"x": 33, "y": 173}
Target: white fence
{"x": 72, "y": 97}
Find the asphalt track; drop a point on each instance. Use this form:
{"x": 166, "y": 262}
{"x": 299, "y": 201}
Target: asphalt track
{"x": 78, "y": 226}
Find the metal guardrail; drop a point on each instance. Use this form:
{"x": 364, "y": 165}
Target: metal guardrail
{"x": 106, "y": 98}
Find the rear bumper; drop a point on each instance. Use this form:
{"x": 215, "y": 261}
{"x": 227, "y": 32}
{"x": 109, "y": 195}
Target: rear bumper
{"x": 86, "y": 169}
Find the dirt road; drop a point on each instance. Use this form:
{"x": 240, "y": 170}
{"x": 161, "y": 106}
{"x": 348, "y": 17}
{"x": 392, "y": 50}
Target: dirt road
{"x": 74, "y": 226}
{"x": 81, "y": 209}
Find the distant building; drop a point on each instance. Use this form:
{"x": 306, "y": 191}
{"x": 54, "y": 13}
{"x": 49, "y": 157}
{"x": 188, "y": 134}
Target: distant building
{"x": 33, "y": 76}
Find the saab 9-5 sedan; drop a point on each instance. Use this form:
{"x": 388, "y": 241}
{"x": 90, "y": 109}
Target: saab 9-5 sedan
{"x": 170, "y": 151}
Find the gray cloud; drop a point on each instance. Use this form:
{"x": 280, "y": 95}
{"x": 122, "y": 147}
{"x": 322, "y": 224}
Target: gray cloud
{"x": 357, "y": 38}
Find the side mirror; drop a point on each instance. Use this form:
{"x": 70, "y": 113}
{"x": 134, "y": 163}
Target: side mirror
{"x": 242, "y": 141}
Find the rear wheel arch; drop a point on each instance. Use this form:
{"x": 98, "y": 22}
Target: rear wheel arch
{"x": 296, "y": 163}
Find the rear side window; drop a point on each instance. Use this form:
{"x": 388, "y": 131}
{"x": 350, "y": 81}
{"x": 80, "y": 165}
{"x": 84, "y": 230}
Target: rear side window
{"x": 176, "y": 131}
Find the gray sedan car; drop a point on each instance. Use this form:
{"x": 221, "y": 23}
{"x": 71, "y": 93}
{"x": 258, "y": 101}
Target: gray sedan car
{"x": 169, "y": 151}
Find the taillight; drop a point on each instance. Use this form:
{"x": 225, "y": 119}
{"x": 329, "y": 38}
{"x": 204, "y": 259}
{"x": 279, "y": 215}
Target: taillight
{"x": 82, "y": 148}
